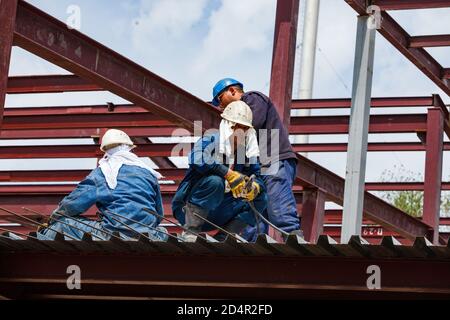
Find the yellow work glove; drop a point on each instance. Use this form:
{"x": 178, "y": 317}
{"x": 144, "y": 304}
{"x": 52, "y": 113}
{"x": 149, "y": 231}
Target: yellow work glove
{"x": 236, "y": 182}
{"x": 252, "y": 192}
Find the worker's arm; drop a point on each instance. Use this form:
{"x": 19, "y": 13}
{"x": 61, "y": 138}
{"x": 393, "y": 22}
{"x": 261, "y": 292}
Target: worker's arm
{"x": 80, "y": 199}
{"x": 202, "y": 160}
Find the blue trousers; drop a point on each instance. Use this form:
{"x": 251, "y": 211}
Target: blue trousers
{"x": 281, "y": 206}
{"x": 223, "y": 208}
{"x": 77, "y": 226}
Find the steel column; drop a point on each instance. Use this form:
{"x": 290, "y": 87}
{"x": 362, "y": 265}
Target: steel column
{"x": 283, "y": 58}
{"x": 313, "y": 212}
{"x": 359, "y": 130}
{"x": 8, "y": 9}
{"x": 433, "y": 171}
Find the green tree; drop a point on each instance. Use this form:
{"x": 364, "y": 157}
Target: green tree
{"x": 410, "y": 202}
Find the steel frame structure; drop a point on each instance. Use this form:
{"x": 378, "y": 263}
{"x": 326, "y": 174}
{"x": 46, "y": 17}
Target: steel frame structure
{"x": 158, "y": 107}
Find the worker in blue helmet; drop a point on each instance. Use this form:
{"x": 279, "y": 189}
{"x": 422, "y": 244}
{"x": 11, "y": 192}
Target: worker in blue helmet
{"x": 281, "y": 165}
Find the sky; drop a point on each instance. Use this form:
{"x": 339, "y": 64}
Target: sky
{"x": 197, "y": 42}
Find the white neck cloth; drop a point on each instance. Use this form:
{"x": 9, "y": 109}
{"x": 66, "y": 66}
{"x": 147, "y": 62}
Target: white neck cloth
{"x": 113, "y": 160}
{"x": 225, "y": 132}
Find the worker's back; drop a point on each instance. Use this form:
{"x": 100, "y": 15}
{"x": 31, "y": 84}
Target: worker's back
{"x": 136, "y": 189}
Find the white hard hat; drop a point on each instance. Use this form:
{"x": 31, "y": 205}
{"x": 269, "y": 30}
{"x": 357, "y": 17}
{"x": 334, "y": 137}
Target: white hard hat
{"x": 238, "y": 112}
{"x": 115, "y": 137}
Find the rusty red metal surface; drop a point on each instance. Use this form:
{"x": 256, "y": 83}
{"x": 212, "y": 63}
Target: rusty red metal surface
{"x": 49, "y": 84}
{"x": 7, "y": 17}
{"x": 283, "y": 58}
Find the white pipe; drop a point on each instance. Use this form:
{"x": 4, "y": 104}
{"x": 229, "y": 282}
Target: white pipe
{"x": 308, "y": 57}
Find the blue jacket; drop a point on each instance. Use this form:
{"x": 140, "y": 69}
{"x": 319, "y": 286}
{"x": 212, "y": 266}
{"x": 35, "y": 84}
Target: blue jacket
{"x": 136, "y": 189}
{"x": 202, "y": 163}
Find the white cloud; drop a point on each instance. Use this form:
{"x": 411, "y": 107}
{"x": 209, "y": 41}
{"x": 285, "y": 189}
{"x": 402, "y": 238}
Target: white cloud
{"x": 234, "y": 29}
{"x": 165, "y": 20}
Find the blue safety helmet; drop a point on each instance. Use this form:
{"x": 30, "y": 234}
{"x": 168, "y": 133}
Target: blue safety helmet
{"x": 221, "y": 86}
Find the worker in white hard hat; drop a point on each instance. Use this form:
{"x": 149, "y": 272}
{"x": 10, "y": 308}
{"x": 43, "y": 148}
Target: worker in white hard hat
{"x": 216, "y": 185}
{"x": 121, "y": 187}
{"x": 278, "y": 159}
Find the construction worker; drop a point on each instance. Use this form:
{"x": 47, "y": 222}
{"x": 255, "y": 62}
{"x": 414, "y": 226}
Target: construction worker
{"x": 281, "y": 166}
{"x": 121, "y": 187}
{"x": 216, "y": 186}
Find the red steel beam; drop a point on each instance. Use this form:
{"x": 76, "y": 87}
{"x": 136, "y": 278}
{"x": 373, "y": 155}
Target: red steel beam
{"x": 339, "y": 124}
{"x": 49, "y": 38}
{"x": 400, "y": 39}
{"x": 49, "y": 84}
{"x": 70, "y": 175}
{"x": 411, "y": 4}
{"x": 77, "y": 110}
{"x": 373, "y": 147}
{"x": 177, "y": 175}
{"x": 442, "y": 40}
{"x": 90, "y": 133}
{"x": 433, "y": 171}
{"x": 165, "y": 150}
{"x": 283, "y": 58}
{"x": 313, "y": 212}
{"x": 89, "y": 151}
{"x": 8, "y": 9}
{"x": 148, "y": 125}
{"x": 375, "y": 103}
{"x": 64, "y": 121}
{"x": 446, "y": 73}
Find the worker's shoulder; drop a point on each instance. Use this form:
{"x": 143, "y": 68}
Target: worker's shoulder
{"x": 251, "y": 96}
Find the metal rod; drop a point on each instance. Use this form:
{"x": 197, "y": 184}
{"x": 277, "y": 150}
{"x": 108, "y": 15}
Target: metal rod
{"x": 19, "y": 233}
{"x": 216, "y": 226}
{"x": 140, "y": 223}
{"x": 252, "y": 206}
{"x": 62, "y": 222}
{"x": 32, "y": 222}
{"x": 177, "y": 224}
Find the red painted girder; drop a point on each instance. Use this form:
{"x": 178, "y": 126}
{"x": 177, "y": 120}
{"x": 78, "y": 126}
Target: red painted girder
{"x": 49, "y": 84}
{"x": 7, "y": 21}
{"x": 90, "y": 133}
{"x": 442, "y": 40}
{"x": 339, "y": 124}
{"x": 177, "y": 175}
{"x": 411, "y": 4}
{"x": 50, "y": 39}
{"x": 400, "y": 39}
{"x": 446, "y": 73}
{"x": 183, "y": 149}
{"x": 283, "y": 57}
{"x": 86, "y": 151}
{"x": 374, "y": 146}
{"x": 65, "y": 121}
{"x": 76, "y": 110}
{"x": 375, "y": 103}
{"x": 70, "y": 175}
